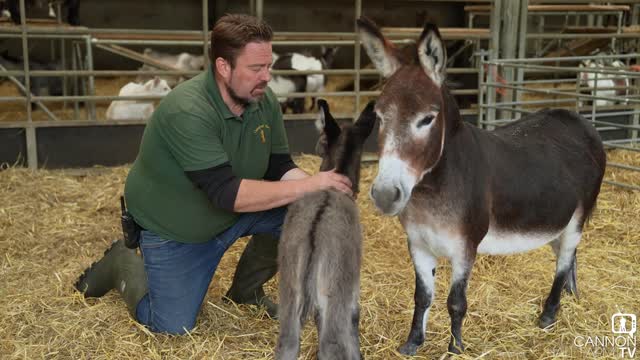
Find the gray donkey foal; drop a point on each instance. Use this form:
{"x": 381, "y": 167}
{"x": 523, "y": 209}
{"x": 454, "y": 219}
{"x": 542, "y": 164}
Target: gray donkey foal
{"x": 321, "y": 247}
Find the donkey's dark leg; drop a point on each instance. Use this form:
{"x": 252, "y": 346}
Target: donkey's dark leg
{"x": 424, "y": 263}
{"x": 565, "y": 269}
{"x": 571, "y": 285}
{"x": 457, "y": 301}
{"x": 552, "y": 304}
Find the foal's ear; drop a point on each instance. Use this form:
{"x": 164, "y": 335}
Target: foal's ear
{"x": 382, "y": 53}
{"x": 432, "y": 53}
{"x": 366, "y": 121}
{"x": 325, "y": 123}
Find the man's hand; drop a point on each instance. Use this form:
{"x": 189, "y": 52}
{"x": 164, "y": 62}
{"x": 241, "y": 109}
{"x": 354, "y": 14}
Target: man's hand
{"x": 331, "y": 179}
{"x": 256, "y": 195}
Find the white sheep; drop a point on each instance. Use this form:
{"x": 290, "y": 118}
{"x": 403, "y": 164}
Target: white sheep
{"x": 137, "y": 109}
{"x": 183, "y": 61}
{"x": 604, "y": 82}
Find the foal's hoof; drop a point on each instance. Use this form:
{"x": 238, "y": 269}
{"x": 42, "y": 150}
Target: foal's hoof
{"x": 546, "y": 320}
{"x": 408, "y": 348}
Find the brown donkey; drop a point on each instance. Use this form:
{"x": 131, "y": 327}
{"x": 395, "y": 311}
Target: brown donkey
{"x": 459, "y": 190}
{"x": 321, "y": 247}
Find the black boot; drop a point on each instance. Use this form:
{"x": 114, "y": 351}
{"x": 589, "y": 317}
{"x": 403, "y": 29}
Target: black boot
{"x": 120, "y": 268}
{"x": 258, "y": 264}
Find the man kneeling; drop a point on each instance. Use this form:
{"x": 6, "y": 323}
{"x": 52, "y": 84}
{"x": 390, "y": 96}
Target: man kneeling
{"x": 213, "y": 166}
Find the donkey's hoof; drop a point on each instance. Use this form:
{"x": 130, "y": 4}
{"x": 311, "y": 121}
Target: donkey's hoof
{"x": 546, "y": 321}
{"x": 408, "y": 348}
{"x": 456, "y": 349}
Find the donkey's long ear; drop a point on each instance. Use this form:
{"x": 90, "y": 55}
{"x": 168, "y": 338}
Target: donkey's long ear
{"x": 366, "y": 121}
{"x": 432, "y": 53}
{"x": 325, "y": 123}
{"x": 381, "y": 52}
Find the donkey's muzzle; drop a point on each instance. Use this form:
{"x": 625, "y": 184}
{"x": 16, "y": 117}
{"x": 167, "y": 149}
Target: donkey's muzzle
{"x": 387, "y": 198}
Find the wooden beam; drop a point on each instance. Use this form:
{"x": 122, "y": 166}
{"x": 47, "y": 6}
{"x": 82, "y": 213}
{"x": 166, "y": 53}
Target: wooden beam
{"x": 447, "y": 33}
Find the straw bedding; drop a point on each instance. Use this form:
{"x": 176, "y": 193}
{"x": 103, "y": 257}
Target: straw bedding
{"x": 55, "y": 223}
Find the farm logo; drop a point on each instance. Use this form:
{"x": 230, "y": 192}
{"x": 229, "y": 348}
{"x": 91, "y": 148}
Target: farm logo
{"x": 260, "y": 130}
{"x": 621, "y": 344}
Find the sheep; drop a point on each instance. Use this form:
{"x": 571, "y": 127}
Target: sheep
{"x": 300, "y": 83}
{"x": 604, "y": 82}
{"x": 183, "y": 61}
{"x": 137, "y": 109}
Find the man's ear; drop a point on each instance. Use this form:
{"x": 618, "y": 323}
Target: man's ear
{"x": 223, "y": 67}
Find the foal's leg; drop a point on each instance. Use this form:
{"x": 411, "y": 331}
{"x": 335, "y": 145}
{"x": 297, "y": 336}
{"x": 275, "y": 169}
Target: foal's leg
{"x": 337, "y": 323}
{"x": 457, "y": 300}
{"x": 424, "y": 263}
{"x": 565, "y": 263}
{"x": 290, "y": 314}
{"x": 330, "y": 321}
{"x": 355, "y": 331}
{"x": 571, "y": 285}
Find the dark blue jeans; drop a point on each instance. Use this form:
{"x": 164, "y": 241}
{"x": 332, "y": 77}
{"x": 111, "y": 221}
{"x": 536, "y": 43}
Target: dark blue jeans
{"x": 179, "y": 274}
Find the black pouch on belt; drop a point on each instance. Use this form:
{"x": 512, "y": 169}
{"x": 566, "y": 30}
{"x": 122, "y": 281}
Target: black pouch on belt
{"x": 130, "y": 229}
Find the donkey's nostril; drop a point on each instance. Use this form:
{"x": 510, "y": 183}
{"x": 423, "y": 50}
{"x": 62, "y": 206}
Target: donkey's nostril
{"x": 397, "y": 194}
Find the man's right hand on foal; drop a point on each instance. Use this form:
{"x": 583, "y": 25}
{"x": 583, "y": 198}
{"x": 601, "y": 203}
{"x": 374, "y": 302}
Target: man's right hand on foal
{"x": 330, "y": 179}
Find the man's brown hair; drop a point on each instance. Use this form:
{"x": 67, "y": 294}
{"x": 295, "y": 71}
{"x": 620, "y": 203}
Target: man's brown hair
{"x": 232, "y": 32}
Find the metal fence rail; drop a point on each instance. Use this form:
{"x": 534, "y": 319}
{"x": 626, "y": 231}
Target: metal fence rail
{"x": 84, "y": 40}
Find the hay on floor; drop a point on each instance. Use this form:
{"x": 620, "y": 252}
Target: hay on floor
{"x": 55, "y": 223}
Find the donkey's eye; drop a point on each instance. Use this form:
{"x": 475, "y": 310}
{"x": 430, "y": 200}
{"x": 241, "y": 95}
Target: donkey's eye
{"x": 426, "y": 120}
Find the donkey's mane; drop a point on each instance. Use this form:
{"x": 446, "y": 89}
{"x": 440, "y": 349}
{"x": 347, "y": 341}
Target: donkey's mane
{"x": 452, "y": 112}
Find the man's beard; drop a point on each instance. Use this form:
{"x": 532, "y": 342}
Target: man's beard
{"x": 243, "y": 101}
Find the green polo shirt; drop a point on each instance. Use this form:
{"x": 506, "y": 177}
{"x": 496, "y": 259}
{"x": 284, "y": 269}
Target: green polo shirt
{"x": 193, "y": 129}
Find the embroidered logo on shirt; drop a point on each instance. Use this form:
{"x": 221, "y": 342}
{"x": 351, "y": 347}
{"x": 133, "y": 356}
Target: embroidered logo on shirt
{"x": 260, "y": 129}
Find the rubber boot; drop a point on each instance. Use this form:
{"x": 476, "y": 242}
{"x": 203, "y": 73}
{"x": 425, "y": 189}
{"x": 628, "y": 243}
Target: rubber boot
{"x": 258, "y": 264}
{"x": 120, "y": 268}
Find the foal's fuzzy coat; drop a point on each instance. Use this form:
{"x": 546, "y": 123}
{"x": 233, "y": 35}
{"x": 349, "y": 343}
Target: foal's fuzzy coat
{"x": 320, "y": 250}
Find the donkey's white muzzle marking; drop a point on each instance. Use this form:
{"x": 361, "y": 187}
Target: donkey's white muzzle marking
{"x": 392, "y": 187}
